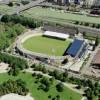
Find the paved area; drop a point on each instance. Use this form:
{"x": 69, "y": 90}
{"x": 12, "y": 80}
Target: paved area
{"x": 3, "y": 67}
{"x": 15, "y": 97}
{"x": 87, "y": 68}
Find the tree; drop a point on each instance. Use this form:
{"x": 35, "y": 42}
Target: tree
{"x": 58, "y": 97}
{"x": 65, "y": 61}
{"x": 97, "y": 41}
{"x": 17, "y": 86}
{"x": 24, "y": 2}
{"x": 89, "y": 94}
{"x": 45, "y": 81}
{"x": 10, "y": 4}
{"x": 60, "y": 87}
{"x": 77, "y": 22}
{"x": 84, "y": 34}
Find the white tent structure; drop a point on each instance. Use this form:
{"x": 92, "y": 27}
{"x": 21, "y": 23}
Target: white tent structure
{"x": 56, "y": 34}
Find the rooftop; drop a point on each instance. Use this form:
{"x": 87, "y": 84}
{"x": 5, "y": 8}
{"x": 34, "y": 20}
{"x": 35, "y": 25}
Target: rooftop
{"x": 75, "y": 47}
{"x": 96, "y": 59}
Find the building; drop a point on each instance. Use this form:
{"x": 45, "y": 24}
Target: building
{"x": 77, "y": 49}
{"x": 96, "y": 60}
{"x": 89, "y": 2}
{"x": 72, "y": 31}
{"x": 56, "y": 35}
{"x": 92, "y": 2}
{"x": 67, "y": 1}
{"x": 97, "y": 2}
{"x": 74, "y": 1}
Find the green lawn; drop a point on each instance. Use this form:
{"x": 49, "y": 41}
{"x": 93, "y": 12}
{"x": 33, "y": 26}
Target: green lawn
{"x": 58, "y": 16}
{"x": 5, "y": 9}
{"x": 46, "y": 45}
{"x": 67, "y": 94}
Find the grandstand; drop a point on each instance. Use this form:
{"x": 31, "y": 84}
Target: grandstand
{"x": 56, "y": 35}
{"x": 77, "y": 49}
{"x": 60, "y": 29}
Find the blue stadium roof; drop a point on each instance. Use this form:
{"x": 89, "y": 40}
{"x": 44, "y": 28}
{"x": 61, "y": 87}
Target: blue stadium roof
{"x": 75, "y": 47}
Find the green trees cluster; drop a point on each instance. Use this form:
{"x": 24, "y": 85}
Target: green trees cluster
{"x": 24, "y": 2}
{"x": 45, "y": 84}
{"x": 91, "y": 88}
{"x": 96, "y": 42}
{"x": 39, "y": 68}
{"x": 10, "y": 86}
{"x": 62, "y": 76}
{"x": 15, "y": 63}
{"x": 29, "y": 22}
{"x": 93, "y": 25}
{"x": 8, "y": 33}
{"x": 60, "y": 87}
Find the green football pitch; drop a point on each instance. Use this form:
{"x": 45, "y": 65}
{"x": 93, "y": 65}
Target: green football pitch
{"x": 45, "y": 45}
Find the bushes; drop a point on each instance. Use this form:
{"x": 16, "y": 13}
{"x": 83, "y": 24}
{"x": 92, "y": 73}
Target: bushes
{"x": 24, "y": 2}
{"x": 39, "y": 68}
{"x": 11, "y": 86}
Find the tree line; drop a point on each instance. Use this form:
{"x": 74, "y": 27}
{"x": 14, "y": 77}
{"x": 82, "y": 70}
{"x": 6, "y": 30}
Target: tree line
{"x": 29, "y": 22}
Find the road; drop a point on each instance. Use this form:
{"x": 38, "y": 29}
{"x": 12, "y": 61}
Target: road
{"x": 25, "y": 7}
{"x": 22, "y": 8}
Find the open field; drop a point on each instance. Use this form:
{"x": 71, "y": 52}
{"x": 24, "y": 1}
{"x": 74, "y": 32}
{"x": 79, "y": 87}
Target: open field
{"x": 5, "y": 9}
{"x": 67, "y": 94}
{"x": 58, "y": 16}
{"x": 49, "y": 46}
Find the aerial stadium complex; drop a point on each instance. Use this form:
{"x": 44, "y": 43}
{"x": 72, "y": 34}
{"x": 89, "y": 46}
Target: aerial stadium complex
{"x": 53, "y": 45}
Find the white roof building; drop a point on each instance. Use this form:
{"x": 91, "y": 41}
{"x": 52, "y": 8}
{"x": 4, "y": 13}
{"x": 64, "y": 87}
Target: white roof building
{"x": 56, "y": 34}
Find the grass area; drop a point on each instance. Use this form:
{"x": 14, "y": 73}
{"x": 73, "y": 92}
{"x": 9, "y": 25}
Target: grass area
{"x": 57, "y": 15}
{"x": 91, "y": 37}
{"x": 5, "y": 9}
{"x": 67, "y": 94}
{"x": 46, "y": 45}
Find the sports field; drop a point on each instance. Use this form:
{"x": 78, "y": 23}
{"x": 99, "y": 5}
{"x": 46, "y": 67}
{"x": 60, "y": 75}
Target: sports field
{"x": 45, "y": 45}
{"x": 58, "y": 15}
